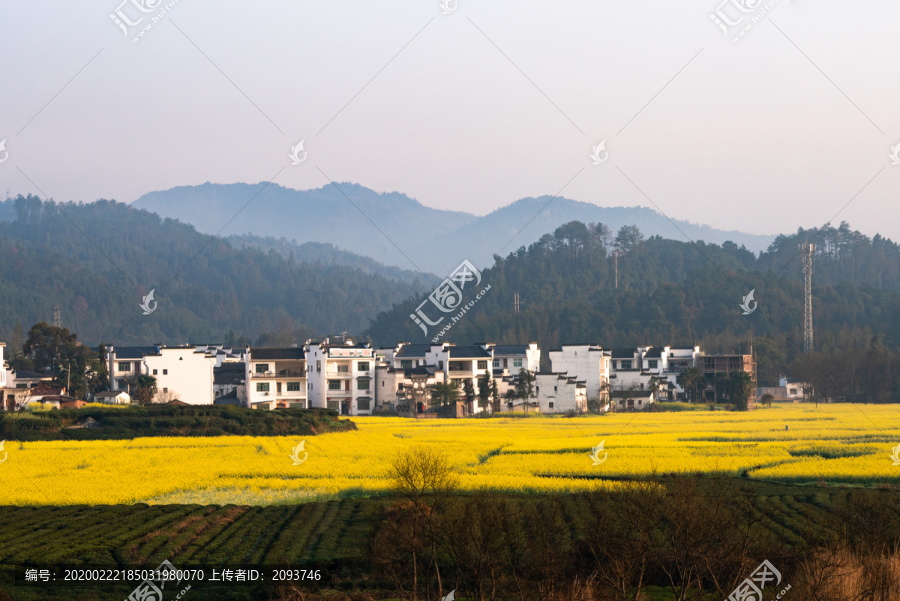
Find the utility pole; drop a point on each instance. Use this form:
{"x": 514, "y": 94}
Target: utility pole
{"x": 807, "y": 250}
{"x": 516, "y": 303}
{"x": 616, "y": 255}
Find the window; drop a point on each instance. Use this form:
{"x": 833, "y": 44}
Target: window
{"x": 334, "y": 384}
{"x": 496, "y": 363}
{"x": 318, "y": 366}
{"x": 537, "y": 390}
{"x": 165, "y": 390}
{"x": 440, "y": 365}
{"x": 517, "y": 363}
{"x": 362, "y": 384}
{"x": 334, "y": 405}
{"x": 406, "y": 364}
{"x": 614, "y": 364}
{"x": 125, "y": 366}
{"x": 551, "y": 404}
{"x": 509, "y": 404}
{"x": 154, "y": 372}
{"x": 482, "y": 365}
{"x": 362, "y": 404}
{"x": 262, "y": 387}
{"x": 262, "y": 368}
{"x": 554, "y": 389}
{"x": 165, "y": 372}
{"x": 293, "y": 386}
{"x": 653, "y": 363}
{"x": 343, "y": 369}
{"x": 626, "y": 364}
{"x": 362, "y": 366}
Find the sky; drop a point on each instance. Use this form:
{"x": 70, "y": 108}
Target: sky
{"x": 468, "y": 105}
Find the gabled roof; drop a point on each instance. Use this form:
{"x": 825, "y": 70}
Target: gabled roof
{"x": 134, "y": 352}
{"x": 412, "y": 351}
{"x": 273, "y": 354}
{"x": 229, "y": 373}
{"x": 654, "y": 353}
{"x": 623, "y": 353}
{"x": 468, "y": 352}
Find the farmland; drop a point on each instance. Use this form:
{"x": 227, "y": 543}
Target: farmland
{"x": 835, "y": 444}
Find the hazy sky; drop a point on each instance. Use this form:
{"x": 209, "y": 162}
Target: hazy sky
{"x": 469, "y": 110}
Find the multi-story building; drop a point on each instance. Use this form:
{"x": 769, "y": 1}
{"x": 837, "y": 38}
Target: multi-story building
{"x": 341, "y": 377}
{"x": 182, "y": 373}
{"x": 406, "y": 389}
{"x": 586, "y": 362}
{"x": 558, "y": 393}
{"x": 513, "y": 357}
{"x": 275, "y": 378}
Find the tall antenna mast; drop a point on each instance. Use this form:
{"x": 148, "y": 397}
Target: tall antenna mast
{"x": 807, "y": 249}
{"x": 57, "y": 317}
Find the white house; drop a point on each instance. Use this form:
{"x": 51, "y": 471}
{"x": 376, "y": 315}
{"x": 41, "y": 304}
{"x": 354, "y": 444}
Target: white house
{"x": 558, "y": 393}
{"x": 182, "y": 372}
{"x": 112, "y": 397}
{"x": 645, "y": 367}
{"x": 586, "y": 362}
{"x": 273, "y": 377}
{"x": 340, "y": 377}
{"x": 513, "y": 357}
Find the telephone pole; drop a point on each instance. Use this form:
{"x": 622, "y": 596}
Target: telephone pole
{"x": 616, "y": 255}
{"x": 807, "y": 250}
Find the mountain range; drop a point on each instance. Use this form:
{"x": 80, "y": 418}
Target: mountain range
{"x": 396, "y": 230}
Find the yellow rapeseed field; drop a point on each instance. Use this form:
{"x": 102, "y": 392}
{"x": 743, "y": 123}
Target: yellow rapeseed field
{"x": 791, "y": 443}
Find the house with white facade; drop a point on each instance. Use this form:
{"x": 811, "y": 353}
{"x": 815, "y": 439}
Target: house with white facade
{"x": 407, "y": 389}
{"x": 275, "y": 378}
{"x": 182, "y": 372}
{"x": 647, "y": 367}
{"x": 586, "y": 362}
{"x": 558, "y": 393}
{"x": 112, "y": 397}
{"x": 341, "y": 377}
{"x": 513, "y": 357}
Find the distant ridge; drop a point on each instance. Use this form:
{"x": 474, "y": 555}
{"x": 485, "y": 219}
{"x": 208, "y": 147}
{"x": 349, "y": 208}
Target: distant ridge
{"x": 405, "y": 233}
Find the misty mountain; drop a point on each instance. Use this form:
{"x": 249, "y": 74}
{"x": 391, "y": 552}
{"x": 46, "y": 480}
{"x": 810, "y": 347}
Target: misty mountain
{"x": 396, "y": 230}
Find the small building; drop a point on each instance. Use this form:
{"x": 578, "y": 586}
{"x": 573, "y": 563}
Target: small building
{"x": 633, "y": 400}
{"x": 586, "y": 362}
{"x": 341, "y": 376}
{"x": 558, "y": 393}
{"x": 112, "y": 397}
{"x": 273, "y": 374}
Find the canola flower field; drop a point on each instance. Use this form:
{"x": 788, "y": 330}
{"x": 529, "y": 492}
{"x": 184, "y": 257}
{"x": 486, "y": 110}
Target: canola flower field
{"x": 836, "y": 444}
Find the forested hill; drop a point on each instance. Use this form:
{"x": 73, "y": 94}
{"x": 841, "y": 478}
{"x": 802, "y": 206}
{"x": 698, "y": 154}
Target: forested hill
{"x": 328, "y": 254}
{"x": 96, "y": 261}
{"x": 678, "y": 293}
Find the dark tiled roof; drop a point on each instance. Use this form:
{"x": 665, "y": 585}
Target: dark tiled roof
{"x": 412, "y": 351}
{"x": 637, "y": 394}
{"x": 229, "y": 373}
{"x": 623, "y": 353}
{"x": 654, "y": 353}
{"x": 272, "y": 354}
{"x": 422, "y": 370}
{"x": 466, "y": 352}
{"x": 134, "y": 352}
{"x": 510, "y": 349}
